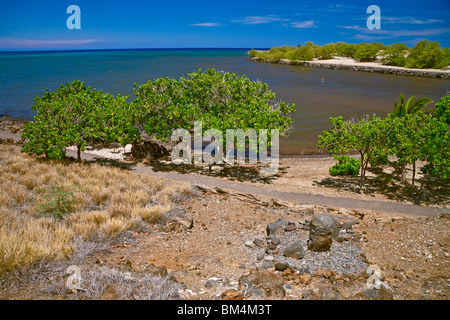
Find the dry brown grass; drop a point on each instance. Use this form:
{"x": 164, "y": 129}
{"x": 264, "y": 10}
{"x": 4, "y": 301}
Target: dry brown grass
{"x": 111, "y": 201}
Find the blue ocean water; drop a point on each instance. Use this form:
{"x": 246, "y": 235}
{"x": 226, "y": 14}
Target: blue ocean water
{"x": 26, "y": 75}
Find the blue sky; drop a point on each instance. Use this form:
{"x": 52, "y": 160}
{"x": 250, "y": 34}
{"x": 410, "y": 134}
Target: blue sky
{"x": 41, "y": 25}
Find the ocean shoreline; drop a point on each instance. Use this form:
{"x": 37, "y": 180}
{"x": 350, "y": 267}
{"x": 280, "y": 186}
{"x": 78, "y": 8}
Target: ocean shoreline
{"x": 351, "y": 65}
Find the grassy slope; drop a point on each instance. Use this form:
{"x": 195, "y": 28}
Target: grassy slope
{"x": 112, "y": 201}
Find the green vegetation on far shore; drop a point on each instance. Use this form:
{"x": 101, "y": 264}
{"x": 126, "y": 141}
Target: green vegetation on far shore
{"x": 425, "y": 54}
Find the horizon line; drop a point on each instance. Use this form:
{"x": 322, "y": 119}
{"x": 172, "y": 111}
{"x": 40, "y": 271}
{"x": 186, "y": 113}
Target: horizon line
{"x": 127, "y": 49}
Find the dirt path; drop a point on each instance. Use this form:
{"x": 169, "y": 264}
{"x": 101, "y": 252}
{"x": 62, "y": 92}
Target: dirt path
{"x": 344, "y": 202}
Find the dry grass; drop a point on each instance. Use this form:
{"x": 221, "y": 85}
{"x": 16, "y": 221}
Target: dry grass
{"x": 111, "y": 201}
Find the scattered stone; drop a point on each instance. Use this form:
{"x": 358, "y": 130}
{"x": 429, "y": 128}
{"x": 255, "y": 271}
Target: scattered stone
{"x": 268, "y": 258}
{"x": 259, "y": 242}
{"x": 212, "y": 282}
{"x": 281, "y": 266}
{"x": 249, "y": 244}
{"x": 267, "y": 264}
{"x": 295, "y": 250}
{"x": 271, "y": 283}
{"x": 305, "y": 278}
{"x": 330, "y": 294}
{"x": 272, "y": 246}
{"x": 272, "y": 228}
{"x": 232, "y": 294}
{"x": 378, "y": 294}
{"x": 275, "y": 241}
{"x": 290, "y": 227}
{"x": 308, "y": 295}
{"x": 260, "y": 255}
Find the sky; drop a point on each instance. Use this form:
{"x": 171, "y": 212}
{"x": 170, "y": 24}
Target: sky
{"x": 42, "y": 25}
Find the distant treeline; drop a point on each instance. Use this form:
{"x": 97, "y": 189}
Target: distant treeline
{"x": 425, "y": 54}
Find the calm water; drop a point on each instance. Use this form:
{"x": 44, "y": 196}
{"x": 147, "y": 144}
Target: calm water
{"x": 23, "y": 76}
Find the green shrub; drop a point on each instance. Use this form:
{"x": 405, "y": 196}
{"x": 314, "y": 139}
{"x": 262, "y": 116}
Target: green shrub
{"x": 395, "y": 55}
{"x": 367, "y": 52}
{"x": 60, "y": 199}
{"x": 427, "y": 54}
{"x": 302, "y": 53}
{"x": 347, "y": 166}
{"x": 253, "y": 53}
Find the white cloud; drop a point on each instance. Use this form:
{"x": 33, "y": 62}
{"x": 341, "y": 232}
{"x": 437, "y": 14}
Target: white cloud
{"x": 418, "y": 33}
{"x": 206, "y": 24}
{"x": 259, "y": 19}
{"x": 408, "y": 20}
{"x": 304, "y": 24}
{"x": 365, "y": 37}
{"x": 19, "y": 43}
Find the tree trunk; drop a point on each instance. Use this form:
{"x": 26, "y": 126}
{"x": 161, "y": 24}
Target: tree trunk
{"x": 79, "y": 152}
{"x": 361, "y": 182}
{"x": 414, "y": 173}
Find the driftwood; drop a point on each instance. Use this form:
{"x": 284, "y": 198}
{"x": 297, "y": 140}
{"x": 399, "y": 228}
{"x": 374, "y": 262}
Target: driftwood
{"x": 271, "y": 202}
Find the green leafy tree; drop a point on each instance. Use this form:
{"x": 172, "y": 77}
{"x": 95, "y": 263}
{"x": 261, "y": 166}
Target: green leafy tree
{"x": 301, "y": 53}
{"x": 395, "y": 54}
{"x": 442, "y": 111}
{"x": 73, "y": 116}
{"x": 327, "y": 51}
{"x": 221, "y": 100}
{"x": 346, "y": 49}
{"x": 367, "y": 52}
{"x": 366, "y": 136}
{"x": 427, "y": 54}
{"x": 435, "y": 137}
{"x": 435, "y": 148}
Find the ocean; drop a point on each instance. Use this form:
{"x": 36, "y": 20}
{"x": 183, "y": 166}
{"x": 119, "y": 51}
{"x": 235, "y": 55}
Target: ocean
{"x": 26, "y": 75}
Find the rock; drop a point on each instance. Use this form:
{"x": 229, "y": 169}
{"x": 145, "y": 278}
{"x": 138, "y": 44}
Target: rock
{"x": 290, "y": 227}
{"x": 267, "y": 264}
{"x": 150, "y": 150}
{"x": 330, "y": 294}
{"x": 269, "y": 282}
{"x": 272, "y": 228}
{"x": 275, "y": 241}
{"x": 232, "y": 294}
{"x": 260, "y": 255}
{"x": 212, "y": 282}
{"x": 259, "y": 242}
{"x": 252, "y": 292}
{"x": 308, "y": 295}
{"x": 182, "y": 223}
{"x": 295, "y": 250}
{"x": 272, "y": 246}
{"x": 268, "y": 258}
{"x": 305, "y": 278}
{"x": 249, "y": 244}
{"x": 281, "y": 266}
{"x": 378, "y": 294}
{"x": 323, "y": 229}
